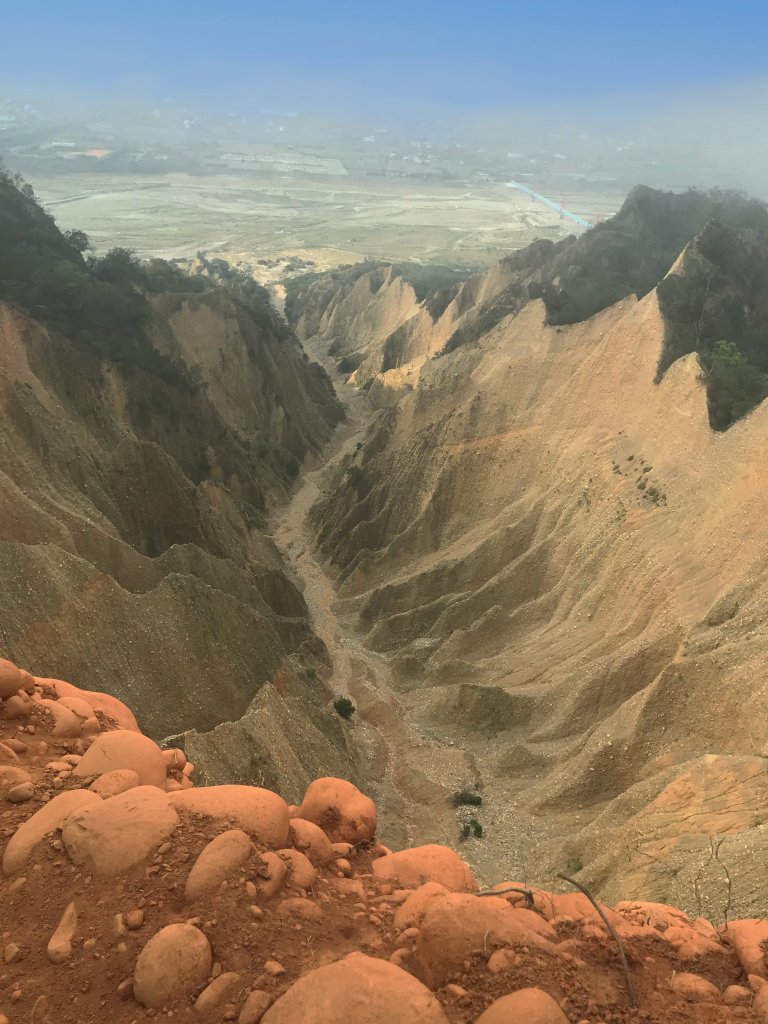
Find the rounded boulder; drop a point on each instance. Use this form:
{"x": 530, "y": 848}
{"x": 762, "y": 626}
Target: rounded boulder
{"x": 357, "y": 988}
{"x": 109, "y": 837}
{"x": 260, "y": 812}
{"x": 104, "y": 703}
{"x": 175, "y": 963}
{"x": 50, "y": 817}
{"x": 311, "y": 840}
{"x": 122, "y": 749}
{"x": 116, "y": 782}
{"x": 411, "y": 868}
{"x": 65, "y": 723}
{"x": 526, "y": 1006}
{"x": 344, "y": 813}
{"x": 218, "y": 861}
{"x": 301, "y": 873}
{"x": 11, "y": 679}
{"x": 456, "y": 926}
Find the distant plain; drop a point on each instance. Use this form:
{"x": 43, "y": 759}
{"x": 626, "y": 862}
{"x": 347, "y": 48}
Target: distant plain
{"x": 244, "y": 217}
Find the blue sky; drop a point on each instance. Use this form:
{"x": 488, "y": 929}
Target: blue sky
{"x": 459, "y": 56}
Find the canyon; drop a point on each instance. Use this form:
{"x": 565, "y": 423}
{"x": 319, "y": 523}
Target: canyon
{"x": 516, "y": 519}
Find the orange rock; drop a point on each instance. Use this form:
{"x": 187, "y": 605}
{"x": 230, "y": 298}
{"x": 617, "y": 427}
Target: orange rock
{"x": 576, "y": 906}
{"x": 116, "y": 782}
{"x": 690, "y": 944}
{"x": 412, "y": 911}
{"x": 254, "y": 1008}
{"x": 111, "y": 836}
{"x": 344, "y": 813}
{"x": 500, "y": 960}
{"x": 90, "y": 728}
{"x": 60, "y": 945}
{"x": 310, "y": 840}
{"x": 11, "y": 679}
{"x": 411, "y": 868}
{"x": 660, "y": 915}
{"x": 66, "y": 724}
{"x": 526, "y": 1006}
{"x": 747, "y": 938}
{"x": 357, "y": 988}
{"x": 176, "y": 962}
{"x": 11, "y": 776}
{"x": 272, "y": 873}
{"x": 260, "y": 812}
{"x": 760, "y": 1005}
{"x": 8, "y": 755}
{"x": 218, "y": 992}
{"x": 457, "y": 926}
{"x": 17, "y": 706}
{"x": 301, "y": 872}
{"x": 78, "y": 706}
{"x": 175, "y": 758}
{"x": 28, "y": 682}
{"x": 349, "y": 887}
{"x": 300, "y": 907}
{"x": 50, "y": 817}
{"x": 122, "y": 749}
{"x": 455, "y": 991}
{"x": 219, "y": 860}
{"x": 103, "y": 702}
{"x": 694, "y": 988}
{"x": 20, "y": 793}
{"x": 737, "y": 995}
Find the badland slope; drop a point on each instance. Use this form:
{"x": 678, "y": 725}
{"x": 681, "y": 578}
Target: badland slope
{"x": 148, "y": 423}
{"x": 559, "y": 548}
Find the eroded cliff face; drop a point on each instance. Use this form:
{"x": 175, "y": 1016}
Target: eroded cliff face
{"x": 134, "y": 549}
{"x": 566, "y": 568}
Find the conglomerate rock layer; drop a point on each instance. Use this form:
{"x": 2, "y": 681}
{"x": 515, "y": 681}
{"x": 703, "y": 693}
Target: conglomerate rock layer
{"x": 127, "y": 893}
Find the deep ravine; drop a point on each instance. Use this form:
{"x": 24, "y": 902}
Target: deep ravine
{"x": 410, "y": 775}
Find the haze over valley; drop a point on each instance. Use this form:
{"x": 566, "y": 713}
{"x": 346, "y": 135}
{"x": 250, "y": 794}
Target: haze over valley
{"x": 383, "y": 543}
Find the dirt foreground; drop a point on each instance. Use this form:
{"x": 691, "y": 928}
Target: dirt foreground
{"x": 129, "y": 893}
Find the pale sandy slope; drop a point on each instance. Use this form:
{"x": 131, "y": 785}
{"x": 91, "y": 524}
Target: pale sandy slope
{"x": 599, "y": 656}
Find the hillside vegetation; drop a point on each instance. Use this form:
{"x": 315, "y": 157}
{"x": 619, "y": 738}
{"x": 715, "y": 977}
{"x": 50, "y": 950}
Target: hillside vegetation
{"x": 150, "y": 422}
{"x": 720, "y": 296}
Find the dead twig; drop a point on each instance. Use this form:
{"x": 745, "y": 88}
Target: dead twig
{"x": 511, "y": 888}
{"x": 613, "y": 933}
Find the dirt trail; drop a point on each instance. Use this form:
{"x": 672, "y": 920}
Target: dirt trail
{"x": 410, "y": 776}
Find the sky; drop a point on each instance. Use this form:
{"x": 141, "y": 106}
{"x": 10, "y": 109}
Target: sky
{"x": 423, "y": 54}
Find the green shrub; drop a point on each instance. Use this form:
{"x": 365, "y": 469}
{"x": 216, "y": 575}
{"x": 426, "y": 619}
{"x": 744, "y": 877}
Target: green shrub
{"x": 471, "y": 828}
{"x": 344, "y": 707}
{"x": 466, "y": 797}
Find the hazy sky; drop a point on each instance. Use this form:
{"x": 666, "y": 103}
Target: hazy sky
{"x": 424, "y": 53}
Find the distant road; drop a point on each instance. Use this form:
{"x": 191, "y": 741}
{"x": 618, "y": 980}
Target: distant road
{"x": 548, "y": 202}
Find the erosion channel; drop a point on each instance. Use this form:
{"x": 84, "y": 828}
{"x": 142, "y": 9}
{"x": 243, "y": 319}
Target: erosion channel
{"x": 410, "y": 774}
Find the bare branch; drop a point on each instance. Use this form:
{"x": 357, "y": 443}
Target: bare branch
{"x": 510, "y": 888}
{"x": 614, "y": 935}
